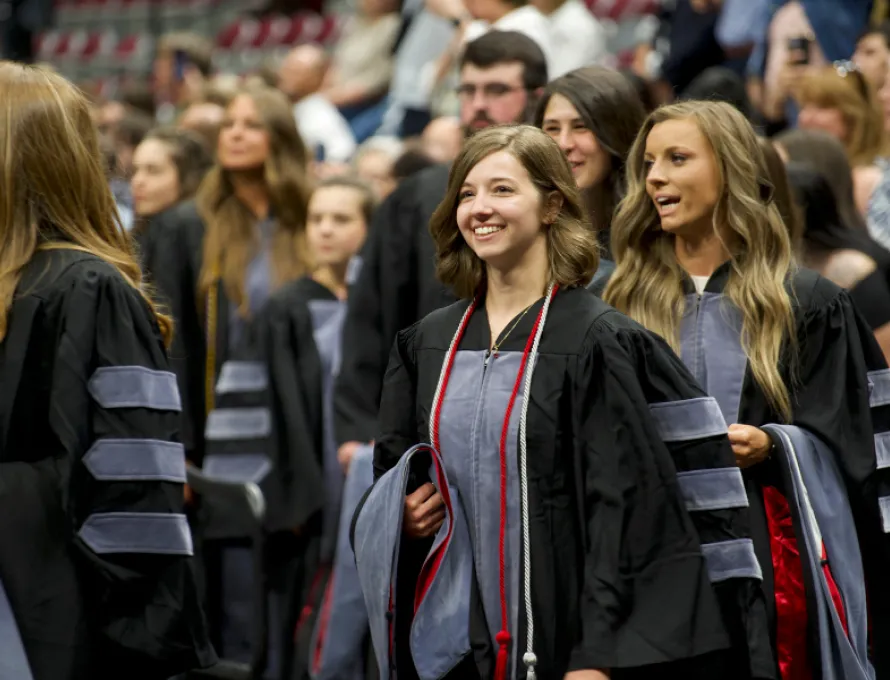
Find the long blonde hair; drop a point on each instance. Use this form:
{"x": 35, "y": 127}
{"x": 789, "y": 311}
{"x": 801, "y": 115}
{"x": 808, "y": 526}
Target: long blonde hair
{"x": 53, "y": 190}
{"x": 230, "y": 237}
{"x": 648, "y": 282}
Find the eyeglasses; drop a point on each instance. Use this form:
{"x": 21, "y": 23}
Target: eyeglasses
{"x": 845, "y": 67}
{"x": 489, "y": 90}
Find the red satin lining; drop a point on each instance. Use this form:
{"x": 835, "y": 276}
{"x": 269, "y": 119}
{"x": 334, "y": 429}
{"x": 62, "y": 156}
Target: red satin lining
{"x": 835, "y": 591}
{"x": 791, "y": 603}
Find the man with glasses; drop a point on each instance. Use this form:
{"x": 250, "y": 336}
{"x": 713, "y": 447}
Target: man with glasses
{"x": 501, "y": 76}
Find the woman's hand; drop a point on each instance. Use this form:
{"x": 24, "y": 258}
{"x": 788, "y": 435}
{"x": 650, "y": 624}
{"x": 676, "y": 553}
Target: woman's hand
{"x": 751, "y": 445}
{"x": 424, "y": 512}
{"x": 587, "y": 675}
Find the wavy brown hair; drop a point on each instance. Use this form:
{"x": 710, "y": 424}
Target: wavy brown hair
{"x": 53, "y": 190}
{"x": 230, "y": 238}
{"x": 571, "y": 241}
{"x": 647, "y": 284}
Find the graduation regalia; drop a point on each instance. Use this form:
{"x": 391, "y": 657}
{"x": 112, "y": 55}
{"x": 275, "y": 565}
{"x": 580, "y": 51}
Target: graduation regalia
{"x": 94, "y": 548}
{"x": 314, "y": 317}
{"x": 620, "y": 533}
{"x": 397, "y": 286}
{"x": 839, "y": 385}
{"x": 250, "y": 414}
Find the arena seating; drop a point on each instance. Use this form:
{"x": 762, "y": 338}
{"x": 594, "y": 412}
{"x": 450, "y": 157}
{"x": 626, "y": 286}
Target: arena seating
{"x": 114, "y": 39}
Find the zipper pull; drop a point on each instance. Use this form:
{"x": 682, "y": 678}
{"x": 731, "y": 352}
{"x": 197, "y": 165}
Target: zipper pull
{"x": 487, "y": 357}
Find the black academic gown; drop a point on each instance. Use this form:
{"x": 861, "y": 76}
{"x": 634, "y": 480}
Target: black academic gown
{"x": 303, "y": 324}
{"x": 264, "y": 377}
{"x": 94, "y": 548}
{"x": 396, "y": 287}
{"x": 619, "y": 580}
{"x": 830, "y": 388}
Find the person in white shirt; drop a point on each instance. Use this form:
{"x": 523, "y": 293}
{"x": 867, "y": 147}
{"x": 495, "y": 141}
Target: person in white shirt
{"x": 509, "y": 15}
{"x": 323, "y": 128}
{"x": 577, "y": 38}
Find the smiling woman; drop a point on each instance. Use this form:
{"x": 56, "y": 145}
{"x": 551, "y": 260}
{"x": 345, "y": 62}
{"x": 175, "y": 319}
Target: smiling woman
{"x": 704, "y": 260}
{"x": 530, "y": 473}
{"x": 594, "y": 114}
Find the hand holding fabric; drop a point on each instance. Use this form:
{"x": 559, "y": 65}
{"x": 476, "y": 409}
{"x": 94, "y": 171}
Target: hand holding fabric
{"x": 424, "y": 512}
{"x": 751, "y": 445}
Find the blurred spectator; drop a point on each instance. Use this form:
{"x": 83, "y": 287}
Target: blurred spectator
{"x": 510, "y": 15}
{"x": 204, "y": 119}
{"x": 442, "y": 139}
{"x": 374, "y": 162}
{"x": 222, "y": 88}
{"x": 359, "y": 75}
{"x": 825, "y": 154}
{"x": 168, "y": 167}
{"x": 409, "y": 163}
{"x": 841, "y": 252}
{"x": 502, "y": 75}
{"x": 423, "y": 37}
{"x": 740, "y": 25}
{"x": 801, "y": 35}
{"x": 719, "y": 83}
{"x": 183, "y": 63}
{"x": 324, "y": 130}
{"x": 138, "y": 97}
{"x": 474, "y": 18}
{"x": 128, "y": 134}
{"x": 685, "y": 47}
{"x": 109, "y": 115}
{"x": 120, "y": 189}
{"x": 872, "y": 54}
{"x": 839, "y": 100}
{"x": 576, "y": 37}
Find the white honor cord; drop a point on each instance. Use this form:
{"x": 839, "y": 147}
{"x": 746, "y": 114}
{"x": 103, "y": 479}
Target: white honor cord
{"x": 452, "y": 348}
{"x": 529, "y": 658}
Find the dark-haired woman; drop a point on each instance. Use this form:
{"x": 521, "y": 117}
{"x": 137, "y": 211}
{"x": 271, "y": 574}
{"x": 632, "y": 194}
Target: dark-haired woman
{"x": 594, "y": 114}
{"x": 841, "y": 253}
{"x": 96, "y": 578}
{"x": 539, "y": 461}
{"x": 168, "y": 166}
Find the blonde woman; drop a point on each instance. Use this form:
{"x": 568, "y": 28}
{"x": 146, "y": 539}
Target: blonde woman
{"x": 704, "y": 259}
{"x": 528, "y": 460}
{"x": 96, "y": 578}
{"x": 219, "y": 260}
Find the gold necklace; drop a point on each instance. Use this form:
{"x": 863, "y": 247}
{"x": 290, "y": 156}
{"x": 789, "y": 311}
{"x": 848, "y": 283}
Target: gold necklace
{"x": 497, "y": 345}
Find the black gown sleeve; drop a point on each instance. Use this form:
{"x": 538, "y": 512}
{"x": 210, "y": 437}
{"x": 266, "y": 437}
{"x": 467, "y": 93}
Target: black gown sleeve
{"x": 648, "y": 598}
{"x": 383, "y": 302}
{"x": 175, "y": 261}
{"x": 365, "y": 347}
{"x": 398, "y": 425}
{"x": 832, "y": 400}
{"x": 125, "y": 492}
